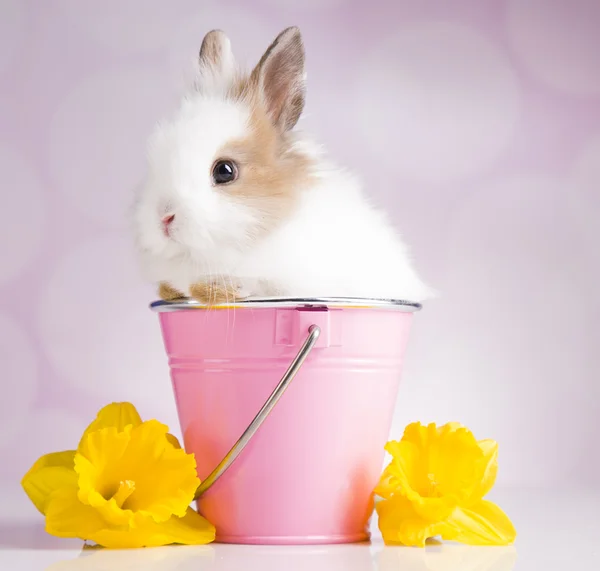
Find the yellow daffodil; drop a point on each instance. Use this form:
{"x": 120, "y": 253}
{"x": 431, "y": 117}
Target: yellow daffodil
{"x": 434, "y": 486}
{"x": 128, "y": 484}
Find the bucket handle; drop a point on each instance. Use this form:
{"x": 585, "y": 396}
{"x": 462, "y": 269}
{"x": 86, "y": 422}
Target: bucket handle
{"x": 313, "y": 334}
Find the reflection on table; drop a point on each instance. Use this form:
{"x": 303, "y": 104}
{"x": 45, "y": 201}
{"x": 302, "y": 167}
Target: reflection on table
{"x": 355, "y": 557}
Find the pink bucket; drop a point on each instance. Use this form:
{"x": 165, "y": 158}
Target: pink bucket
{"x": 287, "y": 405}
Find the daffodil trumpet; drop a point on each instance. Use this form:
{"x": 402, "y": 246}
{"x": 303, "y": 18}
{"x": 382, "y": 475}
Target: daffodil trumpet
{"x": 435, "y": 485}
{"x": 128, "y": 484}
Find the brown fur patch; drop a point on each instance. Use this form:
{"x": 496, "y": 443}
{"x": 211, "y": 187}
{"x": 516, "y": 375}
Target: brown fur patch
{"x": 271, "y": 172}
{"x": 168, "y": 293}
{"x": 213, "y": 293}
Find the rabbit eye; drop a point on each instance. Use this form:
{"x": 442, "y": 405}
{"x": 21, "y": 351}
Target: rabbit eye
{"x": 224, "y": 172}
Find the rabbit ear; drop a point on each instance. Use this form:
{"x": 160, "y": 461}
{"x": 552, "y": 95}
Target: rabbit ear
{"x": 280, "y": 79}
{"x": 216, "y": 54}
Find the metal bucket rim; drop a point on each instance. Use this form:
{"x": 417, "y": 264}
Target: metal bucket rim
{"x": 161, "y": 306}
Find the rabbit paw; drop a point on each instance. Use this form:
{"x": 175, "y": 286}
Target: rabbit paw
{"x": 168, "y": 293}
{"x": 214, "y": 293}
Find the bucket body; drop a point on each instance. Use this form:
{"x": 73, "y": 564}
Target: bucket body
{"x": 307, "y": 475}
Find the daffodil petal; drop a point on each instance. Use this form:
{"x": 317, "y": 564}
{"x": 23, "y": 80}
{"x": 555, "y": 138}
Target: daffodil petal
{"x": 483, "y": 523}
{"x": 434, "y": 509}
{"x": 191, "y": 529}
{"x": 394, "y": 476}
{"x": 50, "y": 473}
{"x": 407, "y": 472}
{"x": 490, "y": 470}
{"x": 55, "y": 459}
{"x": 399, "y": 523}
{"x": 173, "y": 440}
{"x": 451, "y": 426}
{"x": 117, "y": 415}
{"x": 66, "y": 516}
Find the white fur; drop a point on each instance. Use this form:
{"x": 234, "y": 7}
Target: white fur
{"x": 335, "y": 243}
{"x": 180, "y": 157}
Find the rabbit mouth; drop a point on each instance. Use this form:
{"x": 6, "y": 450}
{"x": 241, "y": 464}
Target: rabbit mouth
{"x": 169, "y": 231}
{"x": 167, "y": 225}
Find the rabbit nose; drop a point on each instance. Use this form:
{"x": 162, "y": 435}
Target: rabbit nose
{"x": 166, "y": 223}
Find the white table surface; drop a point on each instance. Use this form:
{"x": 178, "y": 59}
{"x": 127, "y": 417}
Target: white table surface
{"x": 558, "y": 530}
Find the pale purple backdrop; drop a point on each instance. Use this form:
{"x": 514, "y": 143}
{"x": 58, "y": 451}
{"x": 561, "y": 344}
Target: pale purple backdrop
{"x": 476, "y": 123}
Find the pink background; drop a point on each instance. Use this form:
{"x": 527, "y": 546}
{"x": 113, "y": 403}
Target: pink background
{"x": 476, "y": 123}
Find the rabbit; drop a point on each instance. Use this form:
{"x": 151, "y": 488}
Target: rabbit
{"x": 237, "y": 204}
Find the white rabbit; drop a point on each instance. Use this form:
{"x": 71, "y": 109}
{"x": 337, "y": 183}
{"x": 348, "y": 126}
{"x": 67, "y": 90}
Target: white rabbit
{"x": 238, "y": 204}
